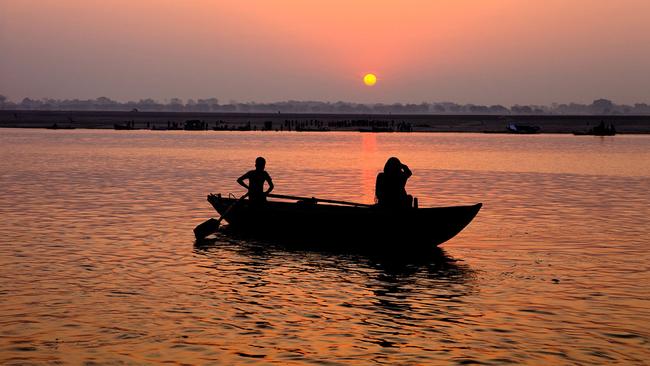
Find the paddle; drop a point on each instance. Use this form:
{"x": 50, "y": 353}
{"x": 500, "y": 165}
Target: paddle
{"x": 211, "y": 225}
{"x": 314, "y": 199}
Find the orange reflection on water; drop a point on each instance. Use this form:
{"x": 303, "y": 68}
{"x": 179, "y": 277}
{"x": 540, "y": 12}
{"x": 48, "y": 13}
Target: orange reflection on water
{"x": 369, "y": 167}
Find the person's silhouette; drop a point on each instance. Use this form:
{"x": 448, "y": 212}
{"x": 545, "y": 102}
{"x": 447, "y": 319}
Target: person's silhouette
{"x": 390, "y": 187}
{"x": 256, "y": 179}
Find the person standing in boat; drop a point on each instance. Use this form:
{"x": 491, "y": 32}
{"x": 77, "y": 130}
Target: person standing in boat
{"x": 390, "y": 187}
{"x": 256, "y": 179}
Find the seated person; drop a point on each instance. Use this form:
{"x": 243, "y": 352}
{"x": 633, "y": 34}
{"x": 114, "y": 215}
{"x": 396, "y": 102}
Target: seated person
{"x": 390, "y": 187}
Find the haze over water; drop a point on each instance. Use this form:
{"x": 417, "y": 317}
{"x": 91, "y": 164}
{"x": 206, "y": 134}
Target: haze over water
{"x": 98, "y": 262}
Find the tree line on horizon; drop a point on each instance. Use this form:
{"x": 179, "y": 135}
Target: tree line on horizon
{"x": 599, "y": 107}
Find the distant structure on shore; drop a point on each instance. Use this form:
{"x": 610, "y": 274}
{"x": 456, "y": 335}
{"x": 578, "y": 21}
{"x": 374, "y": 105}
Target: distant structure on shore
{"x": 597, "y": 107}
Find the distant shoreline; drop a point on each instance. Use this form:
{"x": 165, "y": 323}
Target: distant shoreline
{"x": 625, "y": 124}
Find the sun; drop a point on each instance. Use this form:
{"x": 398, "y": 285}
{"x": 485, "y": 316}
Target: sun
{"x": 370, "y": 79}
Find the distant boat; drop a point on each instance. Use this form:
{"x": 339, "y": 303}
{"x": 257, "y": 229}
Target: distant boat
{"x": 122, "y": 127}
{"x": 600, "y": 130}
{"x": 307, "y": 220}
{"x": 522, "y": 129}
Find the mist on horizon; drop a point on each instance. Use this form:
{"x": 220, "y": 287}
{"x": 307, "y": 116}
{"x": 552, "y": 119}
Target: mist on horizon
{"x": 486, "y": 52}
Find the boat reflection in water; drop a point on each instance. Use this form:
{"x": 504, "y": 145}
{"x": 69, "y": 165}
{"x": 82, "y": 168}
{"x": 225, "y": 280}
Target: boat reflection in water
{"x": 363, "y": 298}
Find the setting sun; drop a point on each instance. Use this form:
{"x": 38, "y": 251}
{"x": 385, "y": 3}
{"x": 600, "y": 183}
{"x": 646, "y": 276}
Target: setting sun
{"x": 370, "y": 79}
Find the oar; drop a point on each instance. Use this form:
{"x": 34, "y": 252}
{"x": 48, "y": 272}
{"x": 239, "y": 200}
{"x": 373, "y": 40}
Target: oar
{"x": 314, "y": 199}
{"x": 212, "y": 225}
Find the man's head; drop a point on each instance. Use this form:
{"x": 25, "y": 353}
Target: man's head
{"x": 260, "y": 163}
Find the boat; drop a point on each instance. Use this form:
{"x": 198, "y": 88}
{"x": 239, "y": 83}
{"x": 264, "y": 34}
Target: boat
{"x": 522, "y": 129}
{"x": 336, "y": 223}
{"x": 122, "y": 127}
{"x": 599, "y": 130}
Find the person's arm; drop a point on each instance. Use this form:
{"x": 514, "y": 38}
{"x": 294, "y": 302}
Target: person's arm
{"x": 241, "y": 179}
{"x": 270, "y": 182}
{"x": 407, "y": 171}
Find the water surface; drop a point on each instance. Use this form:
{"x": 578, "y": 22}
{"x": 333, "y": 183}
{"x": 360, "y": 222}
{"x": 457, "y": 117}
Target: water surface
{"x": 98, "y": 263}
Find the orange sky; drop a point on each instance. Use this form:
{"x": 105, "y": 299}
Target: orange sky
{"x": 468, "y": 51}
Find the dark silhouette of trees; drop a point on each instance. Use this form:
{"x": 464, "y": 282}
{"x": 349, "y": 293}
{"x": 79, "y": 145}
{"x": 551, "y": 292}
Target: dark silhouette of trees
{"x": 599, "y": 107}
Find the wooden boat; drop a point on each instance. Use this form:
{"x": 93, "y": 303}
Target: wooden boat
{"x": 599, "y": 130}
{"x": 522, "y": 129}
{"x": 310, "y": 221}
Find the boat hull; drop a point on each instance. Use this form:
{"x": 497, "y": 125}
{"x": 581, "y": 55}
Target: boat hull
{"x": 312, "y": 223}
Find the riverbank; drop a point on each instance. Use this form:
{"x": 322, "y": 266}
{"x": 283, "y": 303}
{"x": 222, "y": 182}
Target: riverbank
{"x": 318, "y": 122}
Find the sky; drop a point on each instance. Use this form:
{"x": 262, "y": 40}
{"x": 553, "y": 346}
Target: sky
{"x": 466, "y": 51}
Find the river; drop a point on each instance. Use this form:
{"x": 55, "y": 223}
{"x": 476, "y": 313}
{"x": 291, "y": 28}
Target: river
{"x": 98, "y": 263}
